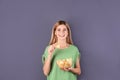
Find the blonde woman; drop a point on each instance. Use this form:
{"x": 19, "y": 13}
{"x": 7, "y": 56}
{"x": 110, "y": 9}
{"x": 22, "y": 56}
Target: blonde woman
{"x": 61, "y": 59}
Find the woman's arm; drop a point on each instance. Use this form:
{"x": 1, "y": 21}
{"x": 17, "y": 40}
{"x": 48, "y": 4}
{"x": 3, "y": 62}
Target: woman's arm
{"x": 77, "y": 69}
{"x": 46, "y": 66}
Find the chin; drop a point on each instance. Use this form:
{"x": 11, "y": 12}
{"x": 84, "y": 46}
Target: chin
{"x": 62, "y": 38}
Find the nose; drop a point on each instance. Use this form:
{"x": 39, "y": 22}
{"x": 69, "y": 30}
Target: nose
{"x": 61, "y": 33}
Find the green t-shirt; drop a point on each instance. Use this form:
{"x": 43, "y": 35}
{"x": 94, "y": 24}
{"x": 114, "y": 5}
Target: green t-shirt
{"x": 55, "y": 72}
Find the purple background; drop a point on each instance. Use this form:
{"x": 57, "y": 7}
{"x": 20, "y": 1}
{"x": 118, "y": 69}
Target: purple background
{"x": 25, "y": 28}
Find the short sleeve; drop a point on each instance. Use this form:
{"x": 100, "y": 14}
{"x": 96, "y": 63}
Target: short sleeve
{"x": 45, "y": 54}
{"x": 78, "y": 55}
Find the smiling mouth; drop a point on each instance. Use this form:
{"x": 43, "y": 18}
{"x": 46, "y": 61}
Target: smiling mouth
{"x": 61, "y": 36}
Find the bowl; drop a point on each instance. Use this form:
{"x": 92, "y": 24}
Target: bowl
{"x": 64, "y": 63}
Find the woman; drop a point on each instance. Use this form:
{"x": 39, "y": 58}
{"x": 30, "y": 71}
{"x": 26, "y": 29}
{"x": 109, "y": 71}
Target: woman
{"x": 61, "y": 59}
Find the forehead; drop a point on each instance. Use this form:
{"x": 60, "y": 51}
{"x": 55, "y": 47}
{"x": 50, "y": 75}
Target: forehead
{"x": 61, "y": 27}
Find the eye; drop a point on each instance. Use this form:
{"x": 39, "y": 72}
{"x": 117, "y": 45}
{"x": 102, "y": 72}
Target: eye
{"x": 58, "y": 29}
{"x": 64, "y": 29}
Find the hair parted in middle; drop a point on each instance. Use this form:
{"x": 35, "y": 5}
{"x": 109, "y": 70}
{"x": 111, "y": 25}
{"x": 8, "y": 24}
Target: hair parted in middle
{"x": 54, "y": 37}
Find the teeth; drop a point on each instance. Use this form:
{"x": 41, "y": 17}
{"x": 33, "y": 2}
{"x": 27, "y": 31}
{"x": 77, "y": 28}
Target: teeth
{"x": 62, "y": 36}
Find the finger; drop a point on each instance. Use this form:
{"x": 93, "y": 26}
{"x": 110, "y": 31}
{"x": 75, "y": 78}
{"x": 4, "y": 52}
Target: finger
{"x": 53, "y": 46}
{"x": 66, "y": 69}
{"x": 69, "y": 68}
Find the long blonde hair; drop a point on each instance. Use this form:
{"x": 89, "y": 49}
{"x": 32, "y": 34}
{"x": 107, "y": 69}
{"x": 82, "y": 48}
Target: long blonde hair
{"x": 54, "y": 37}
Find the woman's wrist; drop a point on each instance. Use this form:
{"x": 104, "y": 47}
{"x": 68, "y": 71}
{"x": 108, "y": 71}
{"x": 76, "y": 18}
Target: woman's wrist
{"x": 71, "y": 69}
{"x": 49, "y": 57}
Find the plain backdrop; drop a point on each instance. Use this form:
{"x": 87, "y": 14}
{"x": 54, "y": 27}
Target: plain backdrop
{"x": 25, "y": 30}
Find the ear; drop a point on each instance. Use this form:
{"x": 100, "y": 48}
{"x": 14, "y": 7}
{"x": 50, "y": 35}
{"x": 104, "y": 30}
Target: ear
{"x": 55, "y": 33}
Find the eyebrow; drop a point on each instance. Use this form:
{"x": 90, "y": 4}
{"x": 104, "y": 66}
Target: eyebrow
{"x": 63, "y": 28}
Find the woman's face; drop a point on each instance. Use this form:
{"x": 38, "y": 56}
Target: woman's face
{"x": 61, "y": 32}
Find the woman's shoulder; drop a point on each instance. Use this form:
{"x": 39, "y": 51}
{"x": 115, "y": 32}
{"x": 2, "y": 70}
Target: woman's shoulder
{"x": 49, "y": 46}
{"x": 76, "y": 49}
{"x": 74, "y": 46}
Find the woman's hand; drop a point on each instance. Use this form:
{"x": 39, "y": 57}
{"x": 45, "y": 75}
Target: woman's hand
{"x": 67, "y": 69}
{"x": 76, "y": 70}
{"x": 51, "y": 50}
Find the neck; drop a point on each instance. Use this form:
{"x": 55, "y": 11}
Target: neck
{"x": 61, "y": 42}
